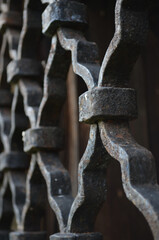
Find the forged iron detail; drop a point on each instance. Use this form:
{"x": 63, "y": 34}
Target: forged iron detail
{"x": 131, "y": 28}
{"x": 137, "y": 164}
{"x": 44, "y": 138}
{"x": 54, "y": 85}
{"x": 138, "y": 170}
{"x": 58, "y": 186}
{"x": 107, "y": 103}
{"x": 14, "y": 160}
{"x": 64, "y": 13}
{"x": 32, "y": 95}
{"x": 84, "y": 55}
{"x": 92, "y": 185}
{"x": 76, "y": 236}
{"x": 23, "y": 68}
{"x": 34, "y": 112}
{"x": 31, "y": 30}
{"x": 52, "y": 173}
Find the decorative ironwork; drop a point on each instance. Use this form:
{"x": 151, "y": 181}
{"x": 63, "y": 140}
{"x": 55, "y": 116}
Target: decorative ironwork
{"x": 31, "y": 99}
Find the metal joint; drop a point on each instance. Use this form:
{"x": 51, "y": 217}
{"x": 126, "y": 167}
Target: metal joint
{"x": 14, "y": 160}
{"x": 105, "y": 103}
{"x": 64, "y": 13}
{"x": 77, "y": 236}
{"x": 23, "y": 68}
{"x": 42, "y": 138}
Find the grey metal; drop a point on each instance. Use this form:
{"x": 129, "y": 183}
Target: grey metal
{"x": 31, "y": 113}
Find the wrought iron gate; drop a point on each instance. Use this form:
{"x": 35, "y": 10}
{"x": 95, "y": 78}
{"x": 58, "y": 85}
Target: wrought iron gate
{"x": 32, "y": 94}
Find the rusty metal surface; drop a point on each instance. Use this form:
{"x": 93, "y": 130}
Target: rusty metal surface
{"x": 33, "y": 91}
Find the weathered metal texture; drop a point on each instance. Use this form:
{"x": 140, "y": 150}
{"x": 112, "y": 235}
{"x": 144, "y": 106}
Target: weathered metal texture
{"x": 138, "y": 170}
{"x": 84, "y": 55}
{"x": 107, "y": 103}
{"x": 56, "y": 177}
{"x": 64, "y": 13}
{"x": 137, "y": 163}
{"x": 130, "y": 35}
{"x": 131, "y": 26}
{"x": 43, "y": 138}
{"x": 58, "y": 186}
{"x": 14, "y": 160}
{"x": 107, "y": 106}
{"x": 75, "y": 236}
{"x": 49, "y": 163}
{"x": 54, "y": 85}
{"x": 8, "y": 51}
{"x": 92, "y": 185}
{"x": 88, "y": 200}
{"x": 23, "y": 68}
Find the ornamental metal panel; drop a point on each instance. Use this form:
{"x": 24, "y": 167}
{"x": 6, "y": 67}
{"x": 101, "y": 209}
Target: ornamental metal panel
{"x": 32, "y": 94}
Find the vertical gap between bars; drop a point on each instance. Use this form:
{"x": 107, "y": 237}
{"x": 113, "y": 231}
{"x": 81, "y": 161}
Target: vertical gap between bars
{"x": 73, "y": 145}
